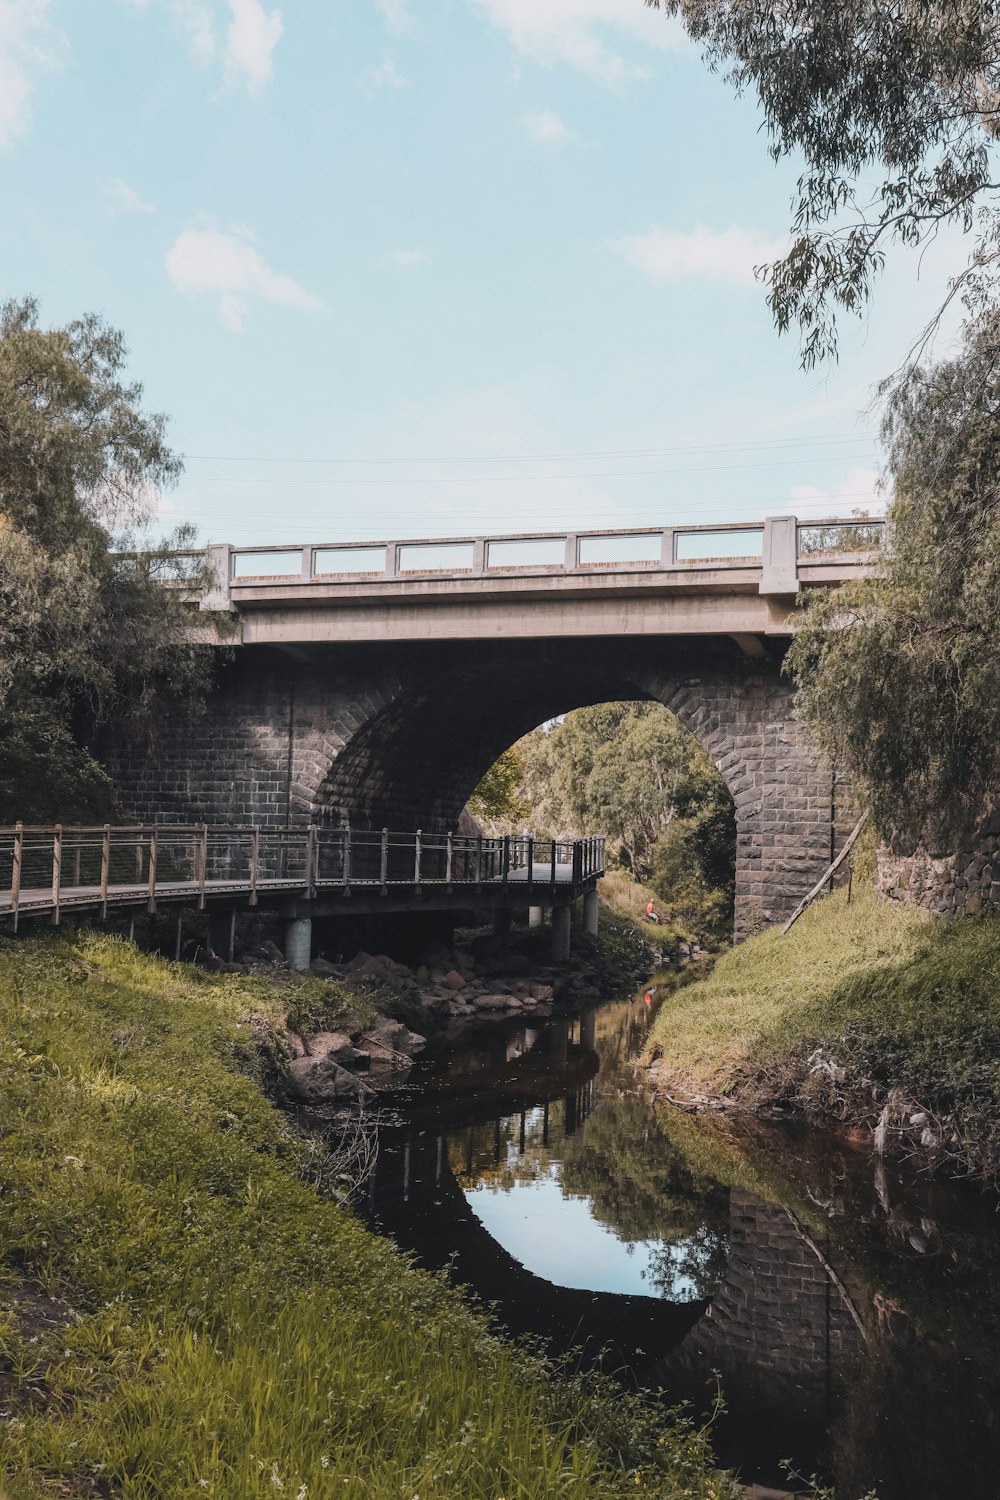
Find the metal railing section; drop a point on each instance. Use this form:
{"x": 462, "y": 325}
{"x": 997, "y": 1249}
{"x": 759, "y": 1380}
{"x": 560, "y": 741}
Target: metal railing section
{"x": 52, "y": 868}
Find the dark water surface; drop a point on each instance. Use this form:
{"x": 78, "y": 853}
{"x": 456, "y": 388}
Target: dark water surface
{"x": 851, "y": 1310}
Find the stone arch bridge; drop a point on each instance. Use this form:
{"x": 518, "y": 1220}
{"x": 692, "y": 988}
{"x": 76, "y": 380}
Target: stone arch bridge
{"x": 378, "y": 681}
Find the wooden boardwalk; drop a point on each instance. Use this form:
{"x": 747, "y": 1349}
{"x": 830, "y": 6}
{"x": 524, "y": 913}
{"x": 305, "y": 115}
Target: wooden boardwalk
{"x": 48, "y": 871}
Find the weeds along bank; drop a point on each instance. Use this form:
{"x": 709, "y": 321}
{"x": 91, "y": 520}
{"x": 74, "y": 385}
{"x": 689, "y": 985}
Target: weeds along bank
{"x": 865, "y": 1013}
{"x": 219, "y": 1327}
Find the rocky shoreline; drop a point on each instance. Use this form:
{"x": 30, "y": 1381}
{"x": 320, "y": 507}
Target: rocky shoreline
{"x": 448, "y": 988}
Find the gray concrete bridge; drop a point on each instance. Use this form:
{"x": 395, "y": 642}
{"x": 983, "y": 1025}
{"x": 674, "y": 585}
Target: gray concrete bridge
{"x": 378, "y": 681}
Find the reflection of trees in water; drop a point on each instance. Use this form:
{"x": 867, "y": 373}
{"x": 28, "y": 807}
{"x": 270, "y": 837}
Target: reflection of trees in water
{"x": 640, "y": 1187}
{"x": 690, "y": 1268}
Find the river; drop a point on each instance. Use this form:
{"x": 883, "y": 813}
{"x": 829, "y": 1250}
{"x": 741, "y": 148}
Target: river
{"x": 850, "y": 1310}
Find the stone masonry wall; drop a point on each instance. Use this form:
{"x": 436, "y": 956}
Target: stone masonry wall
{"x": 952, "y": 885}
{"x": 400, "y": 736}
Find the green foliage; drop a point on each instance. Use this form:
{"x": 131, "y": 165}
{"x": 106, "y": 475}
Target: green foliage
{"x": 893, "y": 109}
{"x": 632, "y": 771}
{"x": 495, "y": 799}
{"x": 898, "y": 674}
{"x": 235, "y": 1334}
{"x": 87, "y": 635}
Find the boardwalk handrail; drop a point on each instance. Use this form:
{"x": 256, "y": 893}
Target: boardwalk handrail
{"x": 46, "y": 869}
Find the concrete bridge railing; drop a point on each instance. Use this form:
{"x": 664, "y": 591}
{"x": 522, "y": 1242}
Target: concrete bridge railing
{"x": 782, "y": 550}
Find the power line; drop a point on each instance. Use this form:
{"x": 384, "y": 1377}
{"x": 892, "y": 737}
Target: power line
{"x": 553, "y": 478}
{"x": 233, "y": 458}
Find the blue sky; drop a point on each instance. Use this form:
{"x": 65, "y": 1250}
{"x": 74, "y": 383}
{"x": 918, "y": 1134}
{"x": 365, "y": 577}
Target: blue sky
{"x": 431, "y": 267}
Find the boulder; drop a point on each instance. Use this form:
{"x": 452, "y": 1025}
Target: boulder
{"x": 295, "y": 1045}
{"x": 493, "y": 1002}
{"x": 454, "y": 980}
{"x": 325, "y": 969}
{"x": 335, "y": 1044}
{"x": 541, "y": 991}
{"x": 317, "y": 1080}
{"x": 390, "y": 1044}
{"x": 465, "y": 963}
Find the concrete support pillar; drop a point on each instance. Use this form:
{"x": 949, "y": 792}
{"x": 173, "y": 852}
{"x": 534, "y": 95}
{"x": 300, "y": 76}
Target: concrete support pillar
{"x": 222, "y": 934}
{"x": 298, "y": 943}
{"x": 501, "y": 924}
{"x": 560, "y": 933}
{"x": 534, "y": 916}
{"x": 590, "y": 912}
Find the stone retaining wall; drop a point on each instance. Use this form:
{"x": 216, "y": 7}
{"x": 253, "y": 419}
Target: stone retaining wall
{"x": 952, "y": 885}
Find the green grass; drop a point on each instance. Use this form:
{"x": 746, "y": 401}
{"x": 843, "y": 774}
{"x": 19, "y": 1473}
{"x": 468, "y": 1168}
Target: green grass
{"x": 901, "y": 1004}
{"x": 237, "y": 1335}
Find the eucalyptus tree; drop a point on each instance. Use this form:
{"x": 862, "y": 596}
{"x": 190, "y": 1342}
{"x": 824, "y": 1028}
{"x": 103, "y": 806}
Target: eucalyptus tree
{"x": 899, "y": 674}
{"x": 894, "y": 108}
{"x": 89, "y": 636}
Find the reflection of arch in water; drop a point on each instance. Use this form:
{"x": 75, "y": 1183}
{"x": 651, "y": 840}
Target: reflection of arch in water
{"x": 416, "y": 1199}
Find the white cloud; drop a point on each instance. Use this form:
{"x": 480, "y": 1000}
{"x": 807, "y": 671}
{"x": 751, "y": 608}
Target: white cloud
{"x": 548, "y": 129}
{"x": 729, "y": 256}
{"x": 406, "y": 258}
{"x": 385, "y": 76}
{"x": 252, "y": 36}
{"x": 122, "y": 199}
{"x": 228, "y": 266}
{"x": 574, "y": 31}
{"x": 396, "y": 15}
{"x": 193, "y": 18}
{"x": 29, "y": 44}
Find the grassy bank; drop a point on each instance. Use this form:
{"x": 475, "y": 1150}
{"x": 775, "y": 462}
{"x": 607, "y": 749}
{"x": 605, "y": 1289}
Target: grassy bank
{"x": 221, "y": 1328}
{"x": 865, "y": 1012}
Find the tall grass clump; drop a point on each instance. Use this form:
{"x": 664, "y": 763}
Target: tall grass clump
{"x": 754, "y": 1004}
{"x": 222, "y": 1329}
{"x": 867, "y": 1011}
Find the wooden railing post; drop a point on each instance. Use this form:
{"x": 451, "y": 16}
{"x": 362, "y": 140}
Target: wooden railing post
{"x": 254, "y": 863}
{"x": 56, "y": 871}
{"x": 384, "y": 859}
{"x": 449, "y": 859}
{"x": 505, "y": 858}
{"x": 555, "y": 855}
{"x": 105, "y": 868}
{"x": 151, "y": 889}
{"x": 346, "y": 839}
{"x": 15, "y": 874}
{"x": 531, "y": 859}
{"x": 311, "y": 860}
{"x": 202, "y": 873}
{"x": 479, "y": 860}
{"x": 416, "y": 858}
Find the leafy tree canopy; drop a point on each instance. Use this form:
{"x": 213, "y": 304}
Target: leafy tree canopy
{"x": 88, "y": 637}
{"x": 496, "y": 800}
{"x": 895, "y": 108}
{"x": 899, "y": 674}
{"x": 631, "y": 771}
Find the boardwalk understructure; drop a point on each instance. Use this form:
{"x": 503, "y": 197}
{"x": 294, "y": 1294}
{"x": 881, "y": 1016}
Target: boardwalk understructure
{"x": 302, "y": 872}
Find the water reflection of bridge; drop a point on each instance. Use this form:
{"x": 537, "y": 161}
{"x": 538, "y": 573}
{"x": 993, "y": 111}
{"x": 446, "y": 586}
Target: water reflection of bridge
{"x": 778, "y": 1325}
